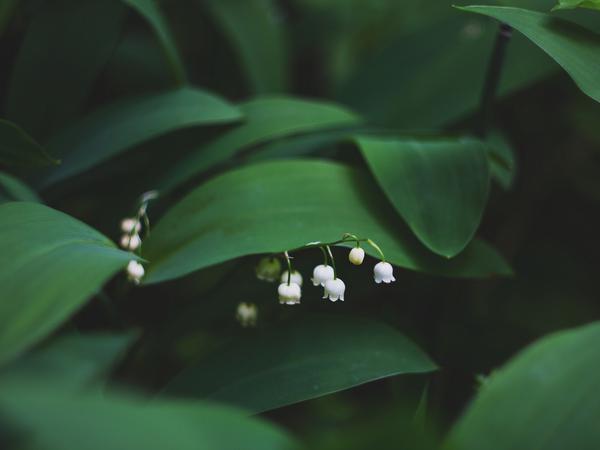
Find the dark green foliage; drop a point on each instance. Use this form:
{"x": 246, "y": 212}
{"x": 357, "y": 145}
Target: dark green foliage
{"x": 245, "y": 136}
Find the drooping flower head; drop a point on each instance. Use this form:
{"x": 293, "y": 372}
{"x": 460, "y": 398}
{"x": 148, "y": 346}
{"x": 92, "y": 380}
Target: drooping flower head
{"x": 131, "y": 242}
{"x": 356, "y": 256}
{"x": 130, "y": 225}
{"x": 289, "y": 294}
{"x": 247, "y": 314}
{"x": 135, "y": 271}
{"x": 295, "y": 277}
{"x": 321, "y": 274}
{"x": 268, "y": 269}
{"x": 334, "y": 290}
{"x": 383, "y": 272}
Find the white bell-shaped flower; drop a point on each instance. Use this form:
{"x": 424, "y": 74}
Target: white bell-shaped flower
{"x": 268, "y": 269}
{"x": 130, "y": 225}
{"x": 247, "y": 314}
{"x": 321, "y": 274}
{"x": 295, "y": 277}
{"x": 383, "y": 271}
{"x": 131, "y": 242}
{"x": 289, "y": 294}
{"x": 135, "y": 271}
{"x": 334, "y": 290}
{"x": 356, "y": 256}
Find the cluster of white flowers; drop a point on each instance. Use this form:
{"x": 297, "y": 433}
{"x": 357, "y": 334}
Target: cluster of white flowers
{"x": 131, "y": 240}
{"x": 324, "y": 275}
{"x": 131, "y": 227}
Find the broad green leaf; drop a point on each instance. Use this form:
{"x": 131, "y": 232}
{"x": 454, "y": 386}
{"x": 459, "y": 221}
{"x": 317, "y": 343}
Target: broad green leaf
{"x": 42, "y": 416}
{"x": 574, "y": 48}
{"x": 439, "y": 186}
{"x": 297, "y": 361}
{"x": 137, "y": 66}
{"x": 275, "y": 206}
{"x": 118, "y": 127}
{"x": 252, "y": 29}
{"x": 571, "y": 4}
{"x": 17, "y": 148}
{"x": 151, "y": 12}
{"x": 67, "y": 44}
{"x": 546, "y": 397}
{"x": 400, "y": 85}
{"x": 13, "y": 189}
{"x": 266, "y": 119}
{"x": 50, "y": 265}
{"x": 74, "y": 360}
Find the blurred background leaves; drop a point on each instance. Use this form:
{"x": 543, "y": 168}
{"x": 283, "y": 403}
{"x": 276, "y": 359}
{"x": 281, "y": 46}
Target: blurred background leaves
{"x": 134, "y": 95}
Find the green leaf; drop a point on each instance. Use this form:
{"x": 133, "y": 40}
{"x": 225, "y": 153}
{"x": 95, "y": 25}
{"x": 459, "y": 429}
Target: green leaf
{"x": 546, "y": 397}
{"x": 121, "y": 126}
{"x": 276, "y": 206}
{"x": 301, "y": 360}
{"x": 50, "y": 265}
{"x": 252, "y": 29}
{"x": 13, "y": 189}
{"x": 56, "y": 66}
{"x": 400, "y": 85}
{"x": 574, "y": 48}
{"x": 266, "y": 119}
{"x": 151, "y": 12}
{"x": 439, "y": 186}
{"x": 17, "y": 148}
{"x": 74, "y": 360}
{"x": 571, "y": 4}
{"x": 43, "y": 416}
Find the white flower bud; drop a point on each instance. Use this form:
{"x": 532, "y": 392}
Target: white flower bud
{"x": 247, "y": 314}
{"x": 289, "y": 294}
{"x": 321, "y": 274}
{"x": 268, "y": 269}
{"x": 334, "y": 290}
{"x": 383, "y": 271}
{"x": 131, "y": 242}
{"x": 135, "y": 271}
{"x": 295, "y": 277}
{"x": 129, "y": 225}
{"x": 356, "y": 256}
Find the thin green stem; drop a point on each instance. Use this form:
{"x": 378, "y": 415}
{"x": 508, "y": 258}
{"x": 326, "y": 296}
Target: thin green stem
{"x": 353, "y": 237}
{"x": 332, "y": 261}
{"x": 377, "y": 248}
{"x": 289, "y": 264}
{"x": 325, "y": 261}
{"x": 492, "y": 80}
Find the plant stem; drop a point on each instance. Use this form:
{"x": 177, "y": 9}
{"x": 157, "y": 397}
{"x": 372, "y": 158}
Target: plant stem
{"x": 492, "y": 80}
{"x": 332, "y": 262}
{"x": 289, "y": 264}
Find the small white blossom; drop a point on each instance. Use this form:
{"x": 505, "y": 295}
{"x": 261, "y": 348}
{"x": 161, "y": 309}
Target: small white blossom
{"x": 135, "y": 271}
{"x": 321, "y": 274}
{"x": 356, "y": 256}
{"x": 268, "y": 269}
{"x": 289, "y": 294}
{"x": 132, "y": 242}
{"x": 247, "y": 314}
{"x": 129, "y": 225}
{"x": 383, "y": 271}
{"x": 295, "y": 277}
{"x": 334, "y": 290}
